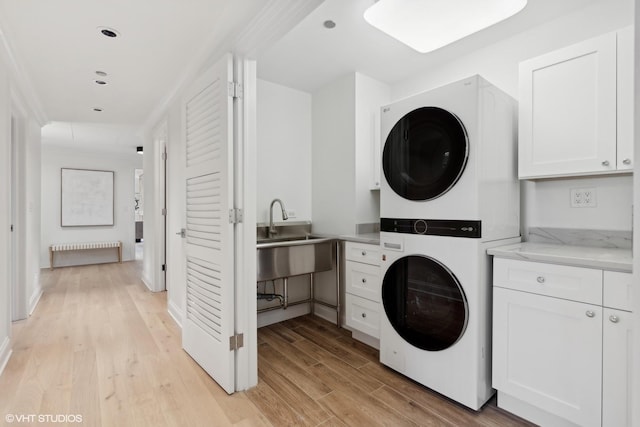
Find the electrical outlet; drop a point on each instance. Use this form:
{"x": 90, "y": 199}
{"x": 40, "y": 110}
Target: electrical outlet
{"x": 583, "y": 198}
{"x": 291, "y": 213}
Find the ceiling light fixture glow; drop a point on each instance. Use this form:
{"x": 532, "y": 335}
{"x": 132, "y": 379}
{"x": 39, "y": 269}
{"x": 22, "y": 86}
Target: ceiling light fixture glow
{"x": 139, "y": 150}
{"x": 427, "y": 25}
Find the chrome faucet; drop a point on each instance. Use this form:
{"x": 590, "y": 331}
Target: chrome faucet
{"x": 272, "y": 228}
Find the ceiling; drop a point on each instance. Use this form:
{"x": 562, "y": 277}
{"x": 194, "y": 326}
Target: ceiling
{"x": 310, "y": 55}
{"x": 59, "y": 48}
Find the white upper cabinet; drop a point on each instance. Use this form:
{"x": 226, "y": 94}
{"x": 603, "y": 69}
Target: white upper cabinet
{"x": 576, "y": 109}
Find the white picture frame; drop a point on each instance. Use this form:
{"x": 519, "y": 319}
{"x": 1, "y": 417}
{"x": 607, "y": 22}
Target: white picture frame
{"x": 86, "y": 197}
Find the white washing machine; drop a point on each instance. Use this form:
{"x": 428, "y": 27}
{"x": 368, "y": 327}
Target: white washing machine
{"x": 435, "y": 322}
{"x": 450, "y": 153}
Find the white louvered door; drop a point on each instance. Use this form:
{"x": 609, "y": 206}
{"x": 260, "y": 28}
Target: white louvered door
{"x": 208, "y": 321}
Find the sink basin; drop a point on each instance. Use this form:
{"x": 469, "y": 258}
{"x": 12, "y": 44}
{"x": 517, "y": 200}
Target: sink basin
{"x": 293, "y": 256}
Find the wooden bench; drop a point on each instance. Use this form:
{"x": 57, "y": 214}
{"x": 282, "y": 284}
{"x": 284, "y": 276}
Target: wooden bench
{"x": 59, "y": 247}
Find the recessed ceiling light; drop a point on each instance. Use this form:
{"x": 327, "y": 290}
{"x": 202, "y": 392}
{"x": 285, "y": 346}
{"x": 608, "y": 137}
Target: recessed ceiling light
{"x": 427, "y": 25}
{"x": 329, "y": 24}
{"x": 101, "y": 82}
{"x": 109, "y": 32}
{"x": 101, "y": 73}
{"x": 97, "y": 110}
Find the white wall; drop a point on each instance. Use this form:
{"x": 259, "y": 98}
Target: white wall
{"x": 32, "y": 212}
{"x": 333, "y": 157}
{"x": 5, "y": 206}
{"x": 544, "y": 203}
{"x": 53, "y": 159}
{"x": 284, "y": 151}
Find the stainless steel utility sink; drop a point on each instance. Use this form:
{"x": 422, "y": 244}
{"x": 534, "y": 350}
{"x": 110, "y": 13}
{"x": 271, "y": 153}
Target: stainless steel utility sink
{"x": 279, "y": 257}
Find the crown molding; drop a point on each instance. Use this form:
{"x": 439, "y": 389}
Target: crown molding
{"x": 20, "y": 84}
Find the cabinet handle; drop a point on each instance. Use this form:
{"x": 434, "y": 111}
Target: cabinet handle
{"x": 364, "y": 253}
{"x": 364, "y": 280}
{"x": 614, "y": 319}
{"x": 605, "y": 163}
{"x": 626, "y": 162}
{"x": 590, "y": 313}
{"x": 364, "y": 315}
{"x": 540, "y": 279}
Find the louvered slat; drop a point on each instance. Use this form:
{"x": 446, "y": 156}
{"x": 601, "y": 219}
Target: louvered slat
{"x": 204, "y": 137}
{"x": 204, "y": 306}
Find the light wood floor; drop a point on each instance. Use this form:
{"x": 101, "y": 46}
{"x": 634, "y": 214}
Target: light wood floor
{"x": 102, "y": 346}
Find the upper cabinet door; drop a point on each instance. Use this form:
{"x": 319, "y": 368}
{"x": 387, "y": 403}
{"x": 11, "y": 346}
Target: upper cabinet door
{"x": 625, "y": 98}
{"x": 568, "y": 110}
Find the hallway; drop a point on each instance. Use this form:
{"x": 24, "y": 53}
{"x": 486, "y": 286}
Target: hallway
{"x": 102, "y": 346}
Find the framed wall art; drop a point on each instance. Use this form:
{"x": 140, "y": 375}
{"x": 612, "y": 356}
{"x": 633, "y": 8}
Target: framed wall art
{"x": 86, "y": 197}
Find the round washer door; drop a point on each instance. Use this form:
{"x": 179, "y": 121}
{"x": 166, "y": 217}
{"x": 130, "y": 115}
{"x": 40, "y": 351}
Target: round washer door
{"x": 425, "y": 153}
{"x": 424, "y": 302}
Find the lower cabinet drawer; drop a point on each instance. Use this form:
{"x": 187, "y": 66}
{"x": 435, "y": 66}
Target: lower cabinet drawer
{"x": 363, "y": 315}
{"x": 363, "y": 280}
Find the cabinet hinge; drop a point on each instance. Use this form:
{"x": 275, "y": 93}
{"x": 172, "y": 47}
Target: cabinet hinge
{"x": 235, "y": 216}
{"x": 236, "y": 341}
{"x": 163, "y": 212}
{"x": 164, "y": 156}
{"x": 235, "y": 90}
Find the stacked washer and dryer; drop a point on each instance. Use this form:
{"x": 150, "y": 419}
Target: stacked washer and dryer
{"x": 450, "y": 192}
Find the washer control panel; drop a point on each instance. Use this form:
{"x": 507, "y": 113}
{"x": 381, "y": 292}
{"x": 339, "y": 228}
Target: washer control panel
{"x": 433, "y": 227}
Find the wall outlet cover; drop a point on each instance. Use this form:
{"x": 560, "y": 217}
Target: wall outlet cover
{"x": 583, "y": 198}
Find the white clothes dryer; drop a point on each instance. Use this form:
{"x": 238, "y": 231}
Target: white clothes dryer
{"x": 450, "y": 153}
{"x": 435, "y": 312}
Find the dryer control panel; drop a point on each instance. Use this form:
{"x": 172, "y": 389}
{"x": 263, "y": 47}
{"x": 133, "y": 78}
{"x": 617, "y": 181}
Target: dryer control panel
{"x": 433, "y": 227}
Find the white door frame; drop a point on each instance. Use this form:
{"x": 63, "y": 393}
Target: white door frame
{"x": 160, "y": 199}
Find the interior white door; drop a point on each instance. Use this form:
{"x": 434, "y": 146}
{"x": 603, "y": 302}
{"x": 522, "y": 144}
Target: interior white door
{"x": 208, "y": 321}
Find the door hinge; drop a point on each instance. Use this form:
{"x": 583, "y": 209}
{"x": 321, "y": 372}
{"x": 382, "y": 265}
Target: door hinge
{"x": 164, "y": 156}
{"x": 235, "y": 216}
{"x": 164, "y": 267}
{"x": 235, "y": 90}
{"x": 236, "y": 341}
{"x": 164, "y": 212}
{"x": 12, "y": 228}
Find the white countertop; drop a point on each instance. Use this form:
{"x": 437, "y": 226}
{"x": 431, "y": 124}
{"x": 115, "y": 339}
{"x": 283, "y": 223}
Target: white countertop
{"x": 578, "y": 256}
{"x": 369, "y": 238}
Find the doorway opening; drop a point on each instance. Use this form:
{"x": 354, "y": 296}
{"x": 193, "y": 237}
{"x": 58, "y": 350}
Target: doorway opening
{"x": 139, "y": 213}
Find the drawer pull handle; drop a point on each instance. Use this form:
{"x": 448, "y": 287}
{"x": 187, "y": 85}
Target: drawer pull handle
{"x": 614, "y": 319}
{"x": 364, "y": 315}
{"x": 540, "y": 279}
{"x": 590, "y": 313}
{"x": 364, "y": 253}
{"x": 364, "y": 280}
{"x": 626, "y": 161}
{"x": 605, "y": 163}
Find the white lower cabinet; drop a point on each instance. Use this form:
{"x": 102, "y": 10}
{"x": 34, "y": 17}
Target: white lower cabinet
{"x": 362, "y": 291}
{"x": 617, "y": 351}
{"x": 556, "y": 361}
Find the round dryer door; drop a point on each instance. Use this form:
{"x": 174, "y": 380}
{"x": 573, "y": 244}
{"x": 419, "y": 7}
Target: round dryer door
{"x": 424, "y": 302}
{"x": 425, "y": 153}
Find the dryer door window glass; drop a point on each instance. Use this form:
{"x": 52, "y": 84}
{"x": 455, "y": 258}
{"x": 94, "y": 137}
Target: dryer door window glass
{"x": 425, "y": 153}
{"x": 424, "y": 302}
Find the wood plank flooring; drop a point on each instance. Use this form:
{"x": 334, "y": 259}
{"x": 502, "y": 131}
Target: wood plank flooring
{"x": 102, "y": 346}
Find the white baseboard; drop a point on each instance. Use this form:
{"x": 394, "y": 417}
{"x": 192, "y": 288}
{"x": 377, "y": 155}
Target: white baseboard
{"x": 326, "y": 313}
{"x": 147, "y": 282}
{"x": 275, "y": 316}
{"x": 5, "y": 353}
{"x": 175, "y": 312}
{"x": 35, "y": 299}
